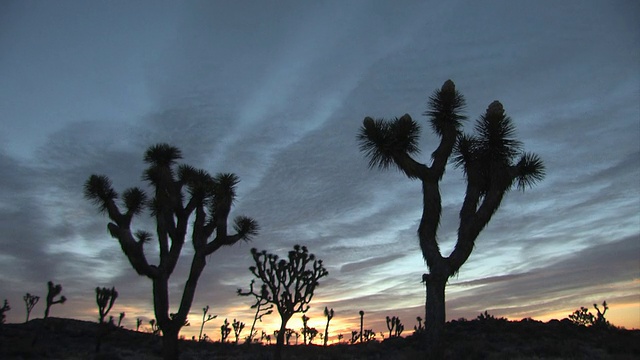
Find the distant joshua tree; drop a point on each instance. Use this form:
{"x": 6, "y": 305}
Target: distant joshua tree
{"x": 53, "y": 291}
{"x": 492, "y": 161}
{"x": 105, "y": 298}
{"x": 237, "y": 329}
{"x": 329, "y": 315}
{"x": 394, "y": 323}
{"x": 138, "y": 323}
{"x": 290, "y": 283}
{"x": 120, "y": 318}
{"x": 361, "y": 324}
{"x": 420, "y": 327}
{"x": 262, "y": 306}
{"x": 205, "y": 318}
{"x": 225, "y": 330}
{"x": 3, "y": 310}
{"x": 30, "y": 301}
{"x": 178, "y": 193}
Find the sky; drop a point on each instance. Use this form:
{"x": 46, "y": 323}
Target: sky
{"x": 276, "y": 92}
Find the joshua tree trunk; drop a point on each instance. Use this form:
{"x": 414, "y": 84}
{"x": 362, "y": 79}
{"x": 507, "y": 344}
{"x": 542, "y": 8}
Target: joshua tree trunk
{"x": 170, "y": 349}
{"x": 435, "y": 315}
{"x": 280, "y": 339}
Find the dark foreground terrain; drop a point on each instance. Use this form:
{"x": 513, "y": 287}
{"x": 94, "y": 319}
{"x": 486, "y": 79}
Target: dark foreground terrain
{"x": 491, "y": 339}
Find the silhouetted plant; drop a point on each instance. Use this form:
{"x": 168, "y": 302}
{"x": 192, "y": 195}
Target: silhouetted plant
{"x": 361, "y": 324}
{"x": 355, "y": 336}
{"x": 105, "y": 298}
{"x": 395, "y": 326}
{"x": 265, "y": 337}
{"x": 52, "y": 292}
{"x": 30, "y": 301}
{"x": 340, "y": 337}
{"x": 138, "y": 323}
{"x": 205, "y": 318}
{"x": 600, "y": 321}
{"x": 262, "y": 306}
{"x": 582, "y": 317}
{"x": 3, "y": 310}
{"x": 369, "y": 335}
{"x": 290, "y": 283}
{"x": 492, "y": 162}
{"x": 237, "y": 329}
{"x": 178, "y": 193}
{"x": 289, "y": 333}
{"x": 329, "y": 315}
{"x": 310, "y": 334}
{"x": 155, "y": 329}
{"x": 225, "y": 330}
{"x": 419, "y": 328}
{"x": 304, "y": 331}
{"x": 122, "y": 315}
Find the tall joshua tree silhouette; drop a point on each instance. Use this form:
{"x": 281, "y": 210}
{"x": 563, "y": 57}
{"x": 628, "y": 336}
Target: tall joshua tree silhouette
{"x": 52, "y": 292}
{"x": 30, "y": 301}
{"x": 105, "y": 298}
{"x": 492, "y": 161}
{"x": 290, "y": 283}
{"x": 178, "y": 193}
{"x": 329, "y": 315}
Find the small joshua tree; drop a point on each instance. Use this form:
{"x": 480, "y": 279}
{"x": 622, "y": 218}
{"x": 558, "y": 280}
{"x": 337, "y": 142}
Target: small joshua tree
{"x": 329, "y": 315}
{"x": 305, "y": 328}
{"x": 155, "y": 329}
{"x": 138, "y": 323}
{"x": 369, "y": 335}
{"x": 237, "y": 329}
{"x": 105, "y": 298}
{"x": 5, "y": 307}
{"x": 122, "y": 315}
{"x": 180, "y": 194}
{"x": 262, "y": 306}
{"x": 290, "y": 283}
{"x": 53, "y": 291}
{"x": 600, "y": 320}
{"x": 361, "y": 324}
{"x": 30, "y": 301}
{"x": 420, "y": 327}
{"x": 225, "y": 330}
{"x": 205, "y": 318}
{"x": 354, "y": 337}
{"x": 582, "y": 317}
{"x": 394, "y": 323}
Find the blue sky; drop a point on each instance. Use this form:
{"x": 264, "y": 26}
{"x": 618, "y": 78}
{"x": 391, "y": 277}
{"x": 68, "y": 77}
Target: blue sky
{"x": 276, "y": 92}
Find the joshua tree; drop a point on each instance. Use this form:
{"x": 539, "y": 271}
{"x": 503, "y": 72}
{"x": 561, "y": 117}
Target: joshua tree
{"x": 305, "y": 328}
{"x": 419, "y": 328}
{"x": 122, "y": 315}
{"x": 329, "y": 315}
{"x": 155, "y": 329}
{"x": 53, "y": 291}
{"x": 237, "y": 329}
{"x": 205, "y": 318}
{"x": 30, "y": 301}
{"x": 138, "y": 323}
{"x": 225, "y": 330}
{"x": 178, "y": 193}
{"x": 5, "y": 307}
{"x": 600, "y": 320}
{"x": 262, "y": 306}
{"x": 361, "y": 324}
{"x": 105, "y": 298}
{"x": 492, "y": 162}
{"x": 290, "y": 283}
{"x": 394, "y": 323}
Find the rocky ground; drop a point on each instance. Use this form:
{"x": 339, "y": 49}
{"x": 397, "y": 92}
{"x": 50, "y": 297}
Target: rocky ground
{"x": 489, "y": 339}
